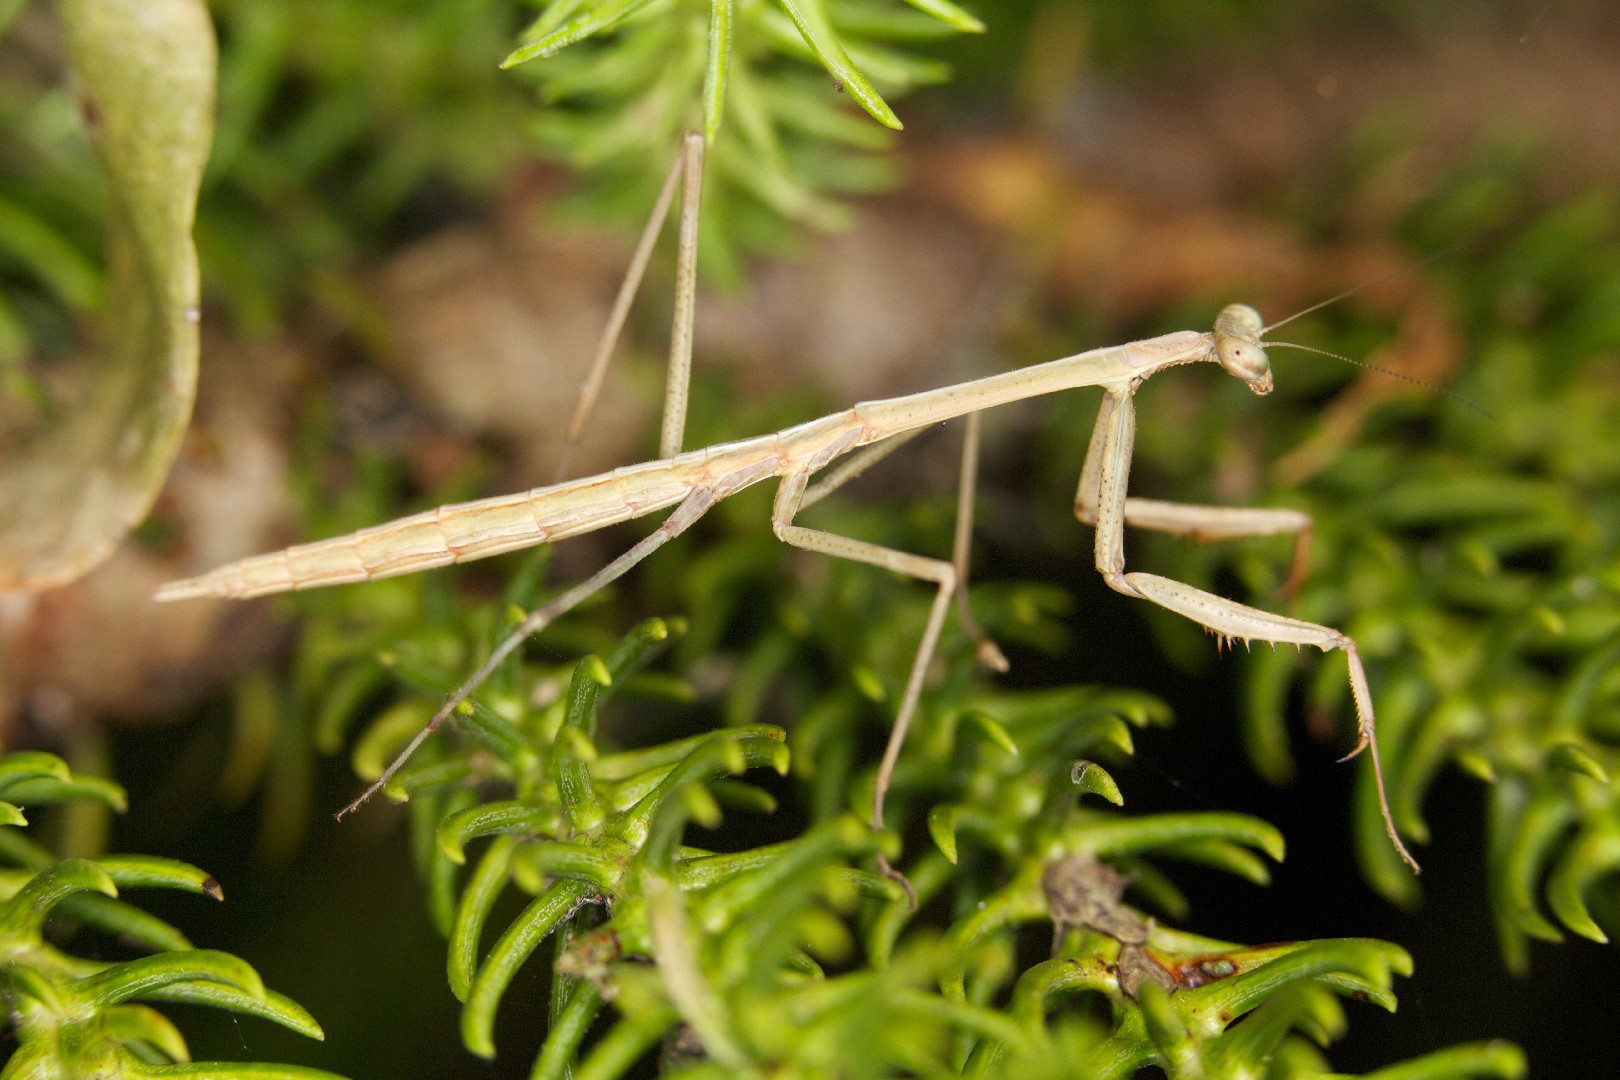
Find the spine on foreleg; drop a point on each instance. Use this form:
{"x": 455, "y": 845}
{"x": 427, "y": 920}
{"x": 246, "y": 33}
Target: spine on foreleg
{"x": 1231, "y": 619}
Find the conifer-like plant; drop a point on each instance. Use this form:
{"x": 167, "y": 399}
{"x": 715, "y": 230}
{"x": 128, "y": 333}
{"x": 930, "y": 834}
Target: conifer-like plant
{"x": 73, "y": 1018}
{"x": 795, "y": 958}
{"x": 668, "y": 815}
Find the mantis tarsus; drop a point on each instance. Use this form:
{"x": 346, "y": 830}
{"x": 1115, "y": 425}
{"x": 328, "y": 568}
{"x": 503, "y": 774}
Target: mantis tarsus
{"x": 694, "y": 481}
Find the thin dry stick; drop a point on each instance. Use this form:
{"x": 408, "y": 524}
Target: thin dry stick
{"x": 680, "y": 345}
{"x": 591, "y": 388}
{"x": 984, "y": 649}
{"x": 699, "y": 478}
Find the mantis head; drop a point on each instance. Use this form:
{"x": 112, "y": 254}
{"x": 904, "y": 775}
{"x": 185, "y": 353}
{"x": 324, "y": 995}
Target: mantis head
{"x": 1238, "y": 329}
{"x": 1238, "y": 348}
{"x": 1240, "y": 351}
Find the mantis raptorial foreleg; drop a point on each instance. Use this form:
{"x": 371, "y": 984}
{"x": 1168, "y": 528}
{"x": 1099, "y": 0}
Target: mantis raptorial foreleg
{"x": 1102, "y": 502}
{"x": 1189, "y": 520}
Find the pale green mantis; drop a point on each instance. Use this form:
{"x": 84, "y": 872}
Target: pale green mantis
{"x": 694, "y": 481}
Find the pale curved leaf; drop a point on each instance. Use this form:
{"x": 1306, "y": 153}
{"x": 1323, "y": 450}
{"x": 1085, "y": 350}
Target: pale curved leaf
{"x": 144, "y": 70}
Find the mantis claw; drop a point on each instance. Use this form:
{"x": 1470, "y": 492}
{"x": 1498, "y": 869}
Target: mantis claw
{"x": 1361, "y": 745}
{"x": 989, "y": 655}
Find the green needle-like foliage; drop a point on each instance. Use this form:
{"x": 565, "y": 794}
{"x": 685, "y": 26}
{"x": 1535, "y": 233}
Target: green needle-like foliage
{"x": 73, "y": 1018}
{"x": 624, "y": 79}
{"x": 781, "y": 959}
{"x": 784, "y": 958}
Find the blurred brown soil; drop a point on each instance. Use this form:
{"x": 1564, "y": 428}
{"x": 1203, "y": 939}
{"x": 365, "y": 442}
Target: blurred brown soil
{"x": 100, "y": 648}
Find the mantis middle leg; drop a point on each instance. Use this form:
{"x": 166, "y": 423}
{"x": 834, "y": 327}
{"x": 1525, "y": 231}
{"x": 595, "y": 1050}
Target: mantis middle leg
{"x": 1102, "y": 502}
{"x": 985, "y": 650}
{"x": 789, "y": 500}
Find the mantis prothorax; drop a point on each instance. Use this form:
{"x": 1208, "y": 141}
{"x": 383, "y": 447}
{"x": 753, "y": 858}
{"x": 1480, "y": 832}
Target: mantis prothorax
{"x": 693, "y": 481}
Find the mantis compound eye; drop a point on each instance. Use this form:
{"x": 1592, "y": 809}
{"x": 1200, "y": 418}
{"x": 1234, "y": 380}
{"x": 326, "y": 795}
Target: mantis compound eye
{"x": 1238, "y": 348}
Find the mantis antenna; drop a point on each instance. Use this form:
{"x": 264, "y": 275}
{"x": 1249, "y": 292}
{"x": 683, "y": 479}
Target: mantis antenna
{"x": 1320, "y": 304}
{"x": 1413, "y": 379}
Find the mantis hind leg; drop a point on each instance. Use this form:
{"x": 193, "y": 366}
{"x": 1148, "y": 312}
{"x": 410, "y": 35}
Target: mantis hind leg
{"x": 985, "y": 650}
{"x": 695, "y": 505}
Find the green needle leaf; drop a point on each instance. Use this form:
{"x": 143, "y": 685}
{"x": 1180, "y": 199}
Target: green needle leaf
{"x": 1089, "y": 776}
{"x": 28, "y": 765}
{"x": 509, "y": 953}
{"x": 1594, "y": 854}
{"x": 143, "y": 977}
{"x": 1573, "y": 758}
{"x": 477, "y": 897}
{"x": 1111, "y": 837}
{"x": 1483, "y": 1059}
{"x": 950, "y": 14}
{"x": 456, "y": 830}
{"x": 601, "y": 17}
{"x": 137, "y": 1023}
{"x": 25, "y": 913}
{"x": 811, "y": 19}
{"x": 272, "y": 1006}
{"x": 38, "y": 790}
{"x": 716, "y": 74}
{"x": 152, "y": 872}
{"x": 988, "y": 726}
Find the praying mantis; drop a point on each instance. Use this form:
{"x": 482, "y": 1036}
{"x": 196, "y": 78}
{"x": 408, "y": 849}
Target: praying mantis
{"x": 694, "y": 481}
